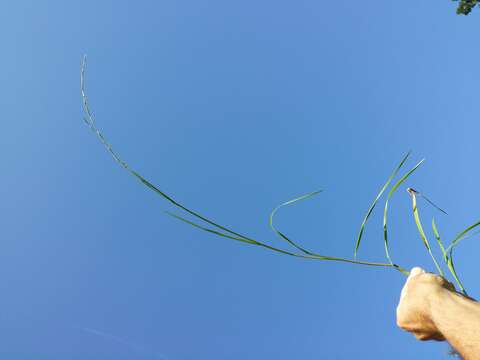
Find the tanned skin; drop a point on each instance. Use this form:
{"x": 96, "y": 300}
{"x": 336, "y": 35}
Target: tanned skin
{"x": 431, "y": 309}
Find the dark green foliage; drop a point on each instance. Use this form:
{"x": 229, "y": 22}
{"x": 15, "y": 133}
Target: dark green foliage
{"x": 466, "y": 6}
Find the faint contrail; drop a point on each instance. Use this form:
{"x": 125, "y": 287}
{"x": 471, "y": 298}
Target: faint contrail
{"x": 123, "y": 341}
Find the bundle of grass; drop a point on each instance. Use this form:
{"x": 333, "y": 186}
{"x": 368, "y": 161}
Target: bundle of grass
{"x": 205, "y": 224}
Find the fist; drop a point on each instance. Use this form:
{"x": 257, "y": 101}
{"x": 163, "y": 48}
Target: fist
{"x": 420, "y": 295}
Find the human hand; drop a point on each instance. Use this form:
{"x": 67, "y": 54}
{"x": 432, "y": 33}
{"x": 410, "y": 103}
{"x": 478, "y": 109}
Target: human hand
{"x": 419, "y": 299}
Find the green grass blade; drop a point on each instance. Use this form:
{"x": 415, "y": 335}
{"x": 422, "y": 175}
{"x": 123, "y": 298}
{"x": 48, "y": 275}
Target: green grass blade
{"x": 385, "y": 210}
{"x": 448, "y": 259}
{"x": 461, "y": 235}
{"x": 451, "y": 267}
{"x": 177, "y": 204}
{"x": 248, "y": 241}
{"x": 227, "y": 233}
{"x": 439, "y": 241}
{"x": 422, "y": 232}
{"x": 89, "y": 119}
{"x": 323, "y": 257}
{"x": 261, "y": 244}
{"x": 282, "y": 235}
{"x": 374, "y": 203}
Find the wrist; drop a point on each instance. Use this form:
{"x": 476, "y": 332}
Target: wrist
{"x": 448, "y": 308}
{"x": 439, "y": 302}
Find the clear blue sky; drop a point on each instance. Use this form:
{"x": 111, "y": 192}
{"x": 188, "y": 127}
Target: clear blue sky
{"x": 233, "y": 107}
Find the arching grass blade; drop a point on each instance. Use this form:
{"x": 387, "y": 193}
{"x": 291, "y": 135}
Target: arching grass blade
{"x": 218, "y": 230}
{"x": 89, "y": 119}
{"x": 282, "y": 235}
{"x": 248, "y": 241}
{"x": 374, "y": 203}
{"x": 385, "y": 210}
{"x": 461, "y": 235}
{"x": 261, "y": 244}
{"x": 422, "y": 232}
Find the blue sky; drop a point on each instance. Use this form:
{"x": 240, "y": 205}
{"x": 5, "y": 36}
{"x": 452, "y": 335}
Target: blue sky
{"x": 233, "y": 107}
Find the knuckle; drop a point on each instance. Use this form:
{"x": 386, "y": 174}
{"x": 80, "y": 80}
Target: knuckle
{"x": 431, "y": 277}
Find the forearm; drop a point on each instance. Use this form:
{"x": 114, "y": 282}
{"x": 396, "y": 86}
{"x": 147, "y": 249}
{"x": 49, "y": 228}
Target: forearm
{"x": 458, "y": 319}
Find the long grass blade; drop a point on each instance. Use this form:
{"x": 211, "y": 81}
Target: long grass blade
{"x": 89, "y": 119}
{"x": 210, "y": 230}
{"x": 374, "y": 203}
{"x": 225, "y": 231}
{"x": 261, "y": 244}
{"x": 385, "y": 210}
{"x": 422, "y": 232}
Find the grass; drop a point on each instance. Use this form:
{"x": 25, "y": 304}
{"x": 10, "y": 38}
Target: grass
{"x": 385, "y": 213}
{"x": 370, "y": 209}
{"x": 201, "y": 222}
{"x": 421, "y": 231}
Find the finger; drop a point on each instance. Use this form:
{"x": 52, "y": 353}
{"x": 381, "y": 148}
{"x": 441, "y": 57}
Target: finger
{"x": 416, "y": 271}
